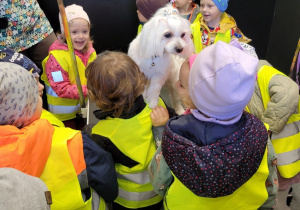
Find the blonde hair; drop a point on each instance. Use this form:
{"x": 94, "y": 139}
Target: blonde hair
{"x": 114, "y": 81}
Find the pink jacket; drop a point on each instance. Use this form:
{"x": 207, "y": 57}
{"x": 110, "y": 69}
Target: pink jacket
{"x": 63, "y": 88}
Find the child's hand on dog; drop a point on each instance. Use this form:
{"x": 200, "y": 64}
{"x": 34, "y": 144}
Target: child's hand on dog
{"x": 159, "y": 116}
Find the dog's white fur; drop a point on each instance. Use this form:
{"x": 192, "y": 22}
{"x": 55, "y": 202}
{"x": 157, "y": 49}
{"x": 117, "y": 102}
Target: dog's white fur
{"x": 159, "y": 50}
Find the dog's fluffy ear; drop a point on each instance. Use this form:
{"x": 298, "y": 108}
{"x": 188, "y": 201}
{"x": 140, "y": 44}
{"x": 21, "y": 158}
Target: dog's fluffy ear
{"x": 151, "y": 37}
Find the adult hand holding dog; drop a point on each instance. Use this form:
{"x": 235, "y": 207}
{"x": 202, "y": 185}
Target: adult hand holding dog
{"x": 159, "y": 116}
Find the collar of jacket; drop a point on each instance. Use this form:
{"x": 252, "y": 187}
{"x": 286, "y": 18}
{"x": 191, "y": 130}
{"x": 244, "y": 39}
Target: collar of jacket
{"x": 227, "y": 22}
{"x": 138, "y": 106}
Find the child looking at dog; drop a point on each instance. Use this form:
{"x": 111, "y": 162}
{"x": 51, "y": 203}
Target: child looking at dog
{"x": 75, "y": 169}
{"x": 187, "y": 9}
{"x": 193, "y": 145}
{"x": 214, "y": 24}
{"x": 60, "y": 82}
{"x": 146, "y": 9}
{"x": 116, "y": 84}
{"x": 9, "y": 55}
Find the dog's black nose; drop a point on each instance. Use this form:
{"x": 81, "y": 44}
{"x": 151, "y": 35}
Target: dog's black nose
{"x": 178, "y": 50}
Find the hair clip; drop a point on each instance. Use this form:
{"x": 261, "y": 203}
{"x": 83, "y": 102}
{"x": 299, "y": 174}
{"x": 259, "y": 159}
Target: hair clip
{"x": 168, "y": 12}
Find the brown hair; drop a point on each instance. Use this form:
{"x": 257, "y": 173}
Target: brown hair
{"x": 114, "y": 81}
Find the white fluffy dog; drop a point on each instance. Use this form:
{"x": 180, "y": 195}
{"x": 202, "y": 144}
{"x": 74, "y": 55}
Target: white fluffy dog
{"x": 159, "y": 50}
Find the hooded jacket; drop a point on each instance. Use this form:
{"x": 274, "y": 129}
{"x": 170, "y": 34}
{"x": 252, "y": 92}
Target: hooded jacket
{"x": 210, "y": 159}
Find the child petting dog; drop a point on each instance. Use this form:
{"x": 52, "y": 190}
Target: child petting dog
{"x": 116, "y": 84}
{"x": 60, "y": 82}
{"x": 214, "y": 24}
{"x": 198, "y": 162}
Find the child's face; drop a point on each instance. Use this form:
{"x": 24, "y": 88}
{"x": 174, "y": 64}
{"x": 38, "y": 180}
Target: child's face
{"x": 182, "y": 3}
{"x": 80, "y": 33}
{"x": 182, "y": 84}
{"x": 38, "y": 112}
{"x": 40, "y": 86}
{"x": 210, "y": 13}
{"x": 141, "y": 17}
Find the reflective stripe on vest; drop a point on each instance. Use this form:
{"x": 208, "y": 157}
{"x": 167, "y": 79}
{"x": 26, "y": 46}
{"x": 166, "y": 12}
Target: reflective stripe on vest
{"x": 134, "y": 138}
{"x": 60, "y": 176}
{"x": 251, "y": 195}
{"x": 51, "y": 118}
{"x": 195, "y": 27}
{"x": 64, "y": 108}
{"x": 287, "y": 142}
{"x": 138, "y": 178}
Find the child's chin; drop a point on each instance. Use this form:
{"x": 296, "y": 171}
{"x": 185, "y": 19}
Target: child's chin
{"x": 78, "y": 48}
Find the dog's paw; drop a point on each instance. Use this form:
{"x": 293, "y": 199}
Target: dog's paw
{"x": 152, "y": 103}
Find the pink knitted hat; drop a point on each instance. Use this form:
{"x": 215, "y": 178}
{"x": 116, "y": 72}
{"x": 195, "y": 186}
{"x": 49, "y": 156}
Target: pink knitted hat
{"x": 72, "y": 12}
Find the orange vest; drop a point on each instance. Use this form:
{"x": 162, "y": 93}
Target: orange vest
{"x": 26, "y": 149}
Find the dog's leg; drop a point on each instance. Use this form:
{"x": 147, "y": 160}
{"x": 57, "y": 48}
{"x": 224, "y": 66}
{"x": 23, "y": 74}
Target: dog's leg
{"x": 153, "y": 91}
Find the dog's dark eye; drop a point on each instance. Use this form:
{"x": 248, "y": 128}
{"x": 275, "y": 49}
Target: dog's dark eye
{"x": 182, "y": 35}
{"x": 168, "y": 35}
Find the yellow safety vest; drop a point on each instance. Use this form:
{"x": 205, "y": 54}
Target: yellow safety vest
{"x": 64, "y": 108}
{"x": 134, "y": 138}
{"x": 139, "y": 29}
{"x": 195, "y": 27}
{"x": 60, "y": 176}
{"x": 51, "y": 118}
{"x": 286, "y": 144}
{"x": 250, "y": 196}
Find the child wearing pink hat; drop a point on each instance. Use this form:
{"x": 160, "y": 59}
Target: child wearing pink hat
{"x": 58, "y": 75}
{"x": 214, "y": 24}
{"x": 217, "y": 154}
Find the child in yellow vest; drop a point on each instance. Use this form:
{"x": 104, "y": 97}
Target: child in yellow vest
{"x": 276, "y": 102}
{"x": 75, "y": 169}
{"x": 187, "y": 9}
{"x": 214, "y": 24}
{"x": 9, "y": 55}
{"x": 58, "y": 75}
{"x": 187, "y": 138}
{"x": 116, "y": 84}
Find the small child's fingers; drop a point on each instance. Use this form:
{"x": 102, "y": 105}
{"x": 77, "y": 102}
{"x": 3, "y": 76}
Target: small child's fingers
{"x": 155, "y": 112}
{"x": 162, "y": 111}
{"x": 154, "y": 115}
